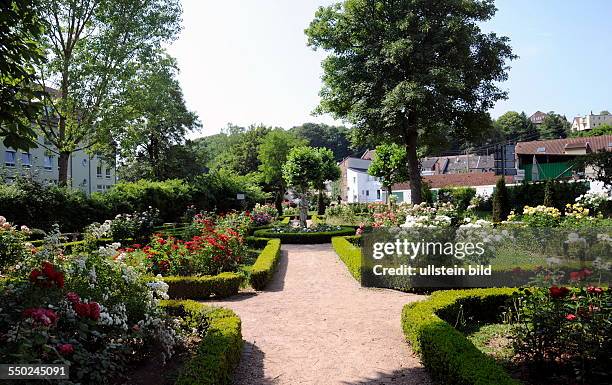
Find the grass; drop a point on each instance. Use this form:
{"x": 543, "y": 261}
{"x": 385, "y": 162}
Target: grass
{"x": 246, "y": 265}
{"x": 492, "y": 339}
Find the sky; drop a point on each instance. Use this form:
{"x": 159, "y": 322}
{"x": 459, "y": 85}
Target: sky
{"x": 246, "y": 61}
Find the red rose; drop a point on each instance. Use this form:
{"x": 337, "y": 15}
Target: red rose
{"x": 137, "y": 245}
{"x": 586, "y": 272}
{"x": 558, "y": 292}
{"x": 73, "y": 297}
{"x": 576, "y": 275}
{"x": 94, "y": 311}
{"x": 65, "y": 349}
{"x": 34, "y": 275}
{"x": 82, "y": 309}
{"x": 161, "y": 241}
{"x": 42, "y": 316}
{"x": 571, "y": 317}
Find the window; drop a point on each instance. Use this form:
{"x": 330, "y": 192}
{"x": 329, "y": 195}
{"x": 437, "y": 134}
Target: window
{"x": 48, "y": 162}
{"x": 541, "y": 149}
{"x": 26, "y": 159}
{"x": 108, "y": 173}
{"x": 367, "y": 193}
{"x": 9, "y": 158}
{"x": 377, "y": 194}
{"x": 99, "y": 187}
{"x": 99, "y": 170}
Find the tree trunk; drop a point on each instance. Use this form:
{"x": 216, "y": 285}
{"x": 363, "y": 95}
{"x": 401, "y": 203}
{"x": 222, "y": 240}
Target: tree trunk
{"x": 414, "y": 168}
{"x": 320, "y": 204}
{"x": 389, "y": 191}
{"x": 63, "y": 168}
{"x": 303, "y": 209}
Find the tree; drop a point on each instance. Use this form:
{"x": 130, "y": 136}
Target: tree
{"x": 601, "y": 164}
{"x": 336, "y": 138}
{"x": 90, "y": 48}
{"x": 152, "y": 118}
{"x": 517, "y": 127}
{"x": 273, "y": 152}
{"x": 20, "y": 49}
{"x": 399, "y": 69}
{"x": 501, "y": 204}
{"x": 329, "y": 171}
{"x": 389, "y": 165}
{"x": 554, "y": 126}
{"x": 302, "y": 168}
{"x": 604, "y": 112}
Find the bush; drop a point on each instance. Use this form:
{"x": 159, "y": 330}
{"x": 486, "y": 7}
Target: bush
{"x": 458, "y": 196}
{"x": 221, "y": 286}
{"x": 447, "y": 354}
{"x": 263, "y": 268}
{"x": 12, "y": 245}
{"x": 501, "y": 203}
{"x": 305, "y": 237}
{"x": 532, "y": 194}
{"x": 349, "y": 254}
{"x": 219, "y": 351}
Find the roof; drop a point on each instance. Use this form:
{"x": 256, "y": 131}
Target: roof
{"x": 558, "y": 146}
{"x": 457, "y": 180}
{"x": 537, "y": 117}
{"x": 368, "y": 155}
{"x": 355, "y": 163}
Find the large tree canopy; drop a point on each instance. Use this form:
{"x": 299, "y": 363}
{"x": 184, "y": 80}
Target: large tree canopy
{"x": 403, "y": 69}
{"x": 90, "y": 48}
{"x": 517, "y": 127}
{"x": 20, "y": 49}
{"x": 554, "y": 126}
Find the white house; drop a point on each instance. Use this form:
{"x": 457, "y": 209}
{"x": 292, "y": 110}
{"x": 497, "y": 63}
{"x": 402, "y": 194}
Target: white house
{"x": 588, "y": 122}
{"x": 356, "y": 185}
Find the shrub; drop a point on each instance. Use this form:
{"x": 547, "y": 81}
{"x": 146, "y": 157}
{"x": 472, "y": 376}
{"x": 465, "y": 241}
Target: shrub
{"x": 532, "y": 194}
{"x": 501, "y": 205}
{"x": 221, "y": 286}
{"x": 12, "y": 245}
{"x": 263, "y": 268}
{"x": 564, "y": 329}
{"x": 447, "y": 354}
{"x": 219, "y": 351}
{"x": 263, "y": 214}
{"x": 460, "y": 197}
{"x": 297, "y": 237}
{"x": 349, "y": 254}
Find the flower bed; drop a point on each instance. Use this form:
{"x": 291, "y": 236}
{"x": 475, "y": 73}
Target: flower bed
{"x": 219, "y": 351}
{"x": 312, "y": 235}
{"x": 447, "y": 354}
{"x": 263, "y": 269}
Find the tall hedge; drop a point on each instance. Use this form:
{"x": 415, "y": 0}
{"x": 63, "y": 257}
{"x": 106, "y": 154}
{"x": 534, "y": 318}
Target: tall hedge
{"x": 533, "y": 194}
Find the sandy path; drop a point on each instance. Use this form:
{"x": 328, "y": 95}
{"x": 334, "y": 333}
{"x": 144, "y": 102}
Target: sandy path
{"x": 316, "y": 325}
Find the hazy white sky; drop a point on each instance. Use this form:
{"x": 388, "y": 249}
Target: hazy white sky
{"x": 246, "y": 61}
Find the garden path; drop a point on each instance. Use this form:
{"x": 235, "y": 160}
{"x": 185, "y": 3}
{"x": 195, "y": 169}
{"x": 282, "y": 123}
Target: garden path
{"x": 315, "y": 325}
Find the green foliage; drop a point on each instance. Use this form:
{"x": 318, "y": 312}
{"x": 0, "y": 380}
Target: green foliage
{"x": 389, "y": 165}
{"x": 219, "y": 352}
{"x": 265, "y": 265}
{"x": 13, "y": 247}
{"x": 304, "y": 237}
{"x": 601, "y": 162}
{"x": 603, "y": 129}
{"x": 501, "y": 202}
{"x": 410, "y": 72}
{"x": 446, "y": 353}
{"x": 458, "y": 196}
{"x": 532, "y": 194}
{"x": 349, "y": 254}
{"x": 335, "y": 138}
{"x": 517, "y": 127}
{"x": 221, "y": 286}
{"x": 548, "y": 194}
{"x": 20, "y": 38}
{"x": 554, "y": 126}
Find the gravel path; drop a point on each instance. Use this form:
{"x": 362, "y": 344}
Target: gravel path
{"x": 315, "y": 325}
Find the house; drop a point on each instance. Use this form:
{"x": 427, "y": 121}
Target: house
{"x": 88, "y": 173}
{"x": 537, "y": 118}
{"x": 482, "y": 182}
{"x": 457, "y": 164}
{"x": 356, "y": 185}
{"x": 588, "y": 122}
{"x": 554, "y": 159}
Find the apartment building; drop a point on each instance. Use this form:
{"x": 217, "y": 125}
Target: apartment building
{"x": 588, "y": 122}
{"x": 88, "y": 173}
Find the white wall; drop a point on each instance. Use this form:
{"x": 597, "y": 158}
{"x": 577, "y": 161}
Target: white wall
{"x": 362, "y": 187}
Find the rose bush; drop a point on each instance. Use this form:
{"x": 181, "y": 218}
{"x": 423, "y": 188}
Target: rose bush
{"x": 13, "y": 246}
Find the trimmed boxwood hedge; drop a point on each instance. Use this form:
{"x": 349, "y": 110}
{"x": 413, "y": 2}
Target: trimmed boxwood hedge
{"x": 447, "y": 354}
{"x": 263, "y": 268}
{"x": 305, "y": 238}
{"x": 221, "y": 286}
{"x": 349, "y": 254}
{"x": 219, "y": 352}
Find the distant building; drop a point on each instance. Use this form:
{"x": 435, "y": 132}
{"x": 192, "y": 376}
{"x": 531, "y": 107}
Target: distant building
{"x": 356, "y": 185}
{"x": 588, "y": 122}
{"x": 537, "y": 118}
{"x": 88, "y": 173}
{"x": 553, "y": 159}
{"x": 457, "y": 164}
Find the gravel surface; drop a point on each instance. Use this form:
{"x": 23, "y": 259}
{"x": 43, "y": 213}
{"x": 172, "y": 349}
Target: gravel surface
{"x": 315, "y": 325}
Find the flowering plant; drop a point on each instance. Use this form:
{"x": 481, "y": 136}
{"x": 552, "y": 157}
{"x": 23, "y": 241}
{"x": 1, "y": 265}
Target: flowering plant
{"x": 13, "y": 244}
{"x": 263, "y": 214}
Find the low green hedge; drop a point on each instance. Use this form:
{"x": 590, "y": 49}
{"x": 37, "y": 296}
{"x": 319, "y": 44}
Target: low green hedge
{"x": 447, "y": 354}
{"x": 349, "y": 254}
{"x": 221, "y": 286}
{"x": 285, "y": 220}
{"x": 256, "y": 242}
{"x": 263, "y": 268}
{"x": 219, "y": 352}
{"x": 305, "y": 238}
